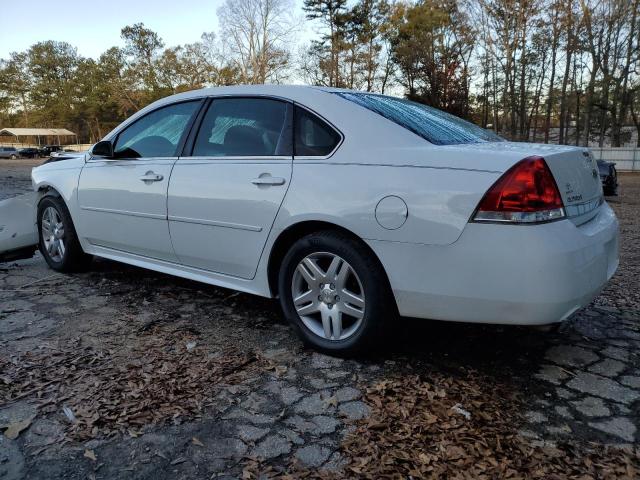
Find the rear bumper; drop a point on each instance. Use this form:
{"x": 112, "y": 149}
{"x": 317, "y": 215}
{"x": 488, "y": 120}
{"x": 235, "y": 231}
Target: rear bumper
{"x": 505, "y": 274}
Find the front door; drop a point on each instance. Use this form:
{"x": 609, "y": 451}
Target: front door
{"x": 223, "y": 199}
{"x": 123, "y": 200}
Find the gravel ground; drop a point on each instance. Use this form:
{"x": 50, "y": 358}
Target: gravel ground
{"x": 125, "y": 373}
{"x": 15, "y": 176}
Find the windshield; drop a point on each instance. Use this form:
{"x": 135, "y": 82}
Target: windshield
{"x": 435, "y": 126}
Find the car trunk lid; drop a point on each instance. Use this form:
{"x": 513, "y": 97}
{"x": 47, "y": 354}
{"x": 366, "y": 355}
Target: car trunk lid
{"x": 573, "y": 168}
{"x": 576, "y": 174}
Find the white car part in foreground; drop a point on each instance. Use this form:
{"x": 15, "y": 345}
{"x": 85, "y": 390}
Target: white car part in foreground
{"x": 18, "y": 235}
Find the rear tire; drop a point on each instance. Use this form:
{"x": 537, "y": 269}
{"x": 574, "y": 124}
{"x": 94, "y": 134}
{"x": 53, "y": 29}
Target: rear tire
{"x": 335, "y": 294}
{"x": 58, "y": 241}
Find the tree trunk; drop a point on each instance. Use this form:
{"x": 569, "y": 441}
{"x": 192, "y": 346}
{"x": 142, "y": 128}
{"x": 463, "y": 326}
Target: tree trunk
{"x": 577, "y": 118}
{"x": 603, "y": 113}
{"x": 538, "y": 96}
{"x": 485, "y": 95}
{"x": 554, "y": 51}
{"x": 334, "y": 61}
{"x": 387, "y": 70}
{"x": 523, "y": 72}
{"x": 588, "y": 104}
{"x": 496, "y": 126}
{"x": 352, "y": 64}
{"x": 565, "y": 79}
{"x": 25, "y": 109}
{"x": 371, "y": 67}
{"x": 636, "y": 122}
{"x": 623, "y": 96}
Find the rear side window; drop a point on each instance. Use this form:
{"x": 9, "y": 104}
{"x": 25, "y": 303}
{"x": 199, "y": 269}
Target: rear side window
{"x": 435, "y": 126}
{"x": 247, "y": 127}
{"x": 313, "y": 136}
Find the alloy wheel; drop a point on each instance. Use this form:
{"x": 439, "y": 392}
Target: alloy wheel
{"x": 328, "y": 296}
{"x": 53, "y": 234}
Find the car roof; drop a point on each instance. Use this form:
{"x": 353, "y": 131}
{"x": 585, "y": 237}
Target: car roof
{"x": 304, "y": 94}
{"x": 314, "y": 97}
{"x": 262, "y": 89}
{"x": 347, "y": 117}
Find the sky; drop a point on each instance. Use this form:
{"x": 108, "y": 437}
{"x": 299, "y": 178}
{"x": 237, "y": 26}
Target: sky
{"x": 94, "y": 26}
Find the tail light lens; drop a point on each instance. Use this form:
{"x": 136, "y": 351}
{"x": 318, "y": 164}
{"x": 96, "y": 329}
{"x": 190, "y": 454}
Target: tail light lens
{"x": 526, "y": 193}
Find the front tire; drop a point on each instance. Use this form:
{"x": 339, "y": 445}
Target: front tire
{"x": 59, "y": 243}
{"x": 335, "y": 293}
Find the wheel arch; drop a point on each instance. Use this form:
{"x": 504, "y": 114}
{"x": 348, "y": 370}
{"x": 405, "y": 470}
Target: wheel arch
{"x": 42, "y": 192}
{"x": 46, "y": 190}
{"x": 294, "y": 232}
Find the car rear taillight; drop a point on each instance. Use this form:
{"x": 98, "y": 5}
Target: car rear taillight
{"x": 526, "y": 193}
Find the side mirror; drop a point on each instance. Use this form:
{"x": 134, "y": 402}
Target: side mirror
{"x": 103, "y": 149}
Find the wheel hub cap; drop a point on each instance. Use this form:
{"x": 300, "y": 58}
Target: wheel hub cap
{"x": 328, "y": 295}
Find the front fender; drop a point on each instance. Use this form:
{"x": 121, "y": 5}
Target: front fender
{"x": 59, "y": 178}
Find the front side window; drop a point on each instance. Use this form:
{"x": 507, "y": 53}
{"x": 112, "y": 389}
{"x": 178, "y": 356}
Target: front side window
{"x": 156, "y": 134}
{"x": 245, "y": 127}
{"x": 313, "y": 136}
{"x": 435, "y": 126}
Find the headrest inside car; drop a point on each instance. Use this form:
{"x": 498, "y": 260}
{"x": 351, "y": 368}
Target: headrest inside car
{"x": 244, "y": 140}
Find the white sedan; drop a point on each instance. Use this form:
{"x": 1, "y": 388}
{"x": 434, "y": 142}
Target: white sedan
{"x": 353, "y": 208}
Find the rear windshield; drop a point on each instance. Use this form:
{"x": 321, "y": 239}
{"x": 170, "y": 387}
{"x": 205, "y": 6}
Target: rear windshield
{"x": 435, "y": 126}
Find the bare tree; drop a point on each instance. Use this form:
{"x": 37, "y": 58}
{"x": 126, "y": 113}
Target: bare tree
{"x": 614, "y": 45}
{"x": 555, "y": 40}
{"x": 258, "y": 35}
{"x": 569, "y": 28}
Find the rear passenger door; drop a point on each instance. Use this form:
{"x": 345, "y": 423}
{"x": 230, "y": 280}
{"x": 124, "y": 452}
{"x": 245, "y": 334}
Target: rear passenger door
{"x": 225, "y": 193}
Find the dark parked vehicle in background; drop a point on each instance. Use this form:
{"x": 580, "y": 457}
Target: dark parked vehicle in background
{"x": 609, "y": 177}
{"x": 29, "y": 152}
{"x": 47, "y": 150}
{"x": 9, "y": 152}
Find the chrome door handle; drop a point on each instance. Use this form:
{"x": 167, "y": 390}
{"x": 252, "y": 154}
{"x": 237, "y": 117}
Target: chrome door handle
{"x": 151, "y": 177}
{"x": 268, "y": 180}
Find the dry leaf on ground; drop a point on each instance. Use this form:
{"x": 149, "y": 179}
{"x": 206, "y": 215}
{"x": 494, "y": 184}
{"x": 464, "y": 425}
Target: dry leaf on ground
{"x": 14, "y": 429}
{"x": 149, "y": 379}
{"x": 90, "y": 454}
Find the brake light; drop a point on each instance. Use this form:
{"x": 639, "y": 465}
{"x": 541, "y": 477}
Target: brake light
{"x": 526, "y": 193}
